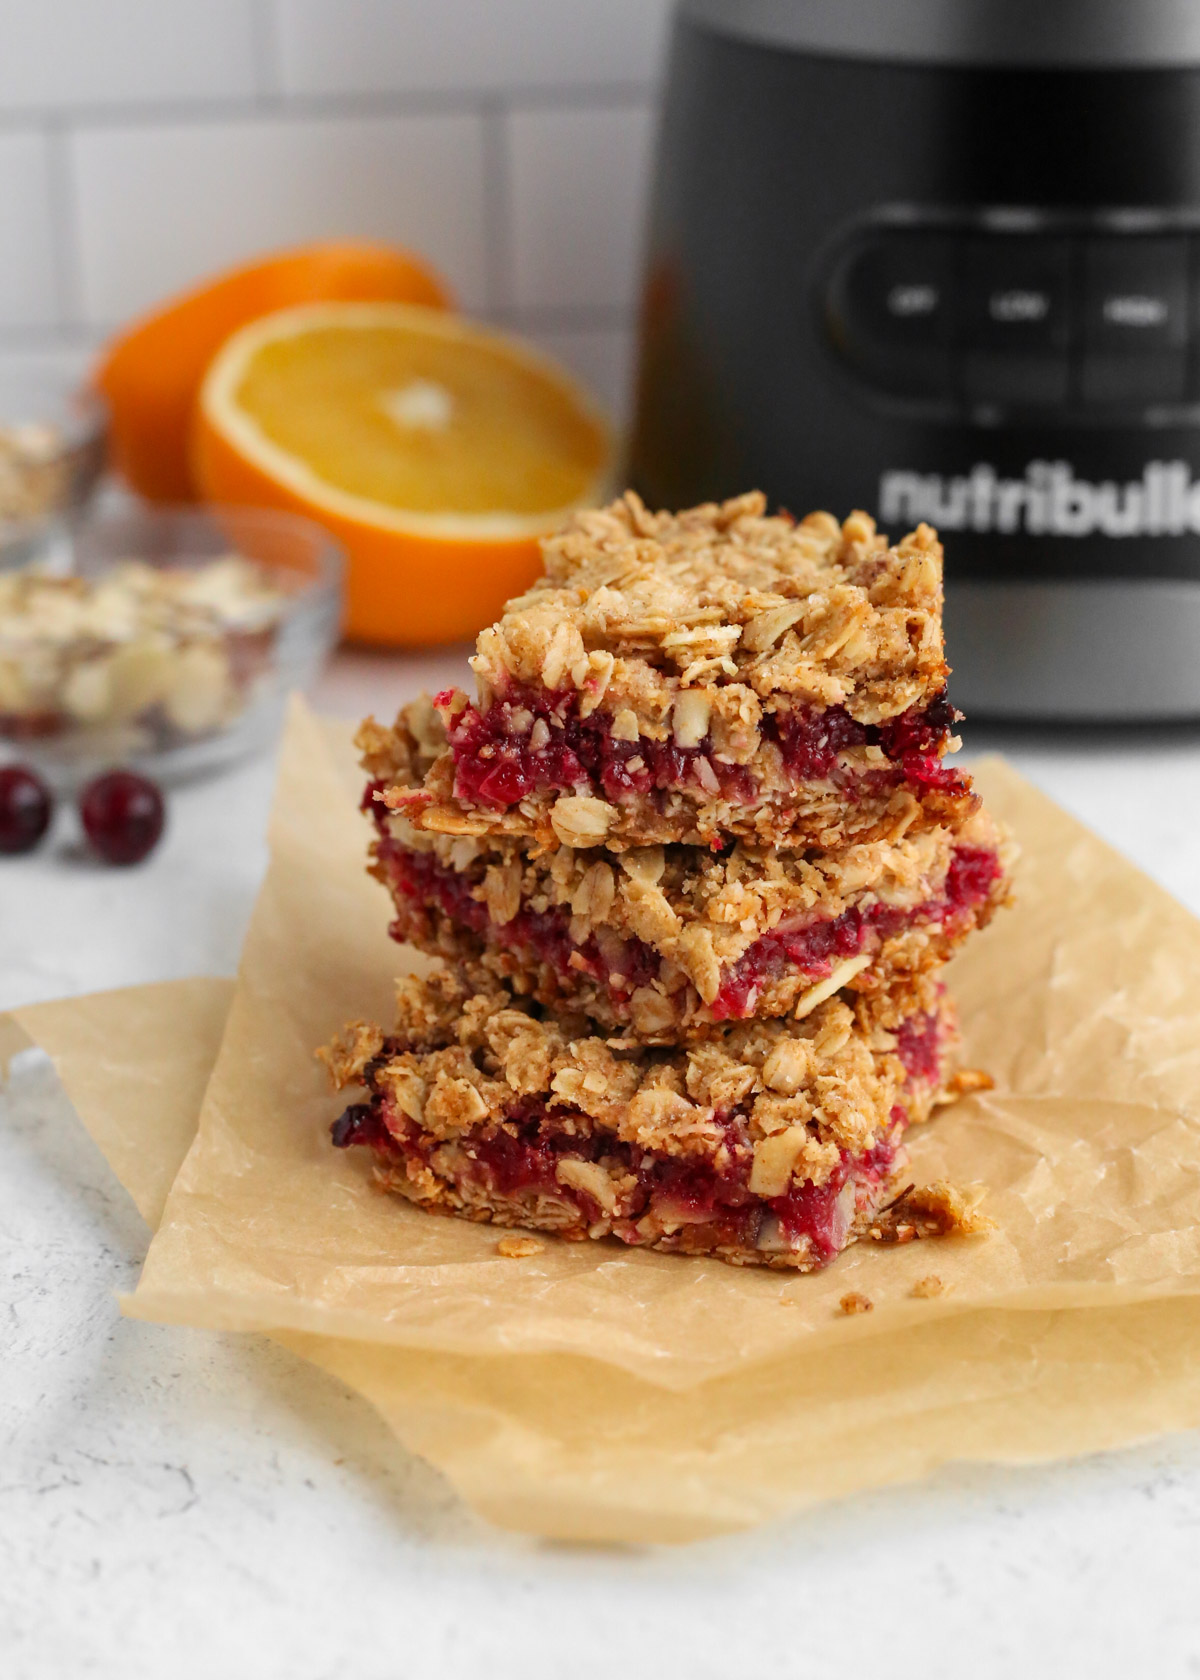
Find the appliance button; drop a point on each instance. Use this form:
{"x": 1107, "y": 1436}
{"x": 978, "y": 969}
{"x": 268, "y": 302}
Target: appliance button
{"x": 1134, "y": 321}
{"x": 889, "y": 308}
{"x": 1135, "y": 293}
{"x": 1015, "y": 293}
{"x": 1016, "y": 320}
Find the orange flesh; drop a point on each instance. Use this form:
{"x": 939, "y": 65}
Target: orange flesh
{"x": 508, "y": 440}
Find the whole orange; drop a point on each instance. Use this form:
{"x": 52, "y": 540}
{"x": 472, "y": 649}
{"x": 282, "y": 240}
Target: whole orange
{"x": 151, "y": 372}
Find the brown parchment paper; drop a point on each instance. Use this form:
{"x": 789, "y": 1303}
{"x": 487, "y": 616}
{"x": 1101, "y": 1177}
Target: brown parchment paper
{"x": 135, "y": 1063}
{"x": 562, "y": 1446}
{"x": 1083, "y": 1001}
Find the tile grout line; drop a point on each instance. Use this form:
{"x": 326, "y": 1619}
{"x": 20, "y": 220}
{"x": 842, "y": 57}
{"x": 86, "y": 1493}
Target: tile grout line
{"x": 497, "y": 208}
{"x": 270, "y": 103}
{"x": 568, "y": 317}
{"x": 267, "y": 58}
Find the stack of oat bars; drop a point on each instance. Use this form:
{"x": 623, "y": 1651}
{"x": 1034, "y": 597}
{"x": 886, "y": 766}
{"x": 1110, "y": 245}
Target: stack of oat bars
{"x": 692, "y": 863}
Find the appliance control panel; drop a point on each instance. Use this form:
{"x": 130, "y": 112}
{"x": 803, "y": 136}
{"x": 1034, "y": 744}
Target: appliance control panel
{"x": 1002, "y": 314}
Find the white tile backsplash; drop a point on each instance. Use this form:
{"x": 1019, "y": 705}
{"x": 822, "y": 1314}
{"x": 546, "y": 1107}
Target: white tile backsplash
{"x": 578, "y": 186}
{"x": 159, "y": 205}
{"x": 113, "y": 52}
{"x": 28, "y": 280}
{"x": 602, "y": 358}
{"x": 378, "y": 46}
{"x": 147, "y": 143}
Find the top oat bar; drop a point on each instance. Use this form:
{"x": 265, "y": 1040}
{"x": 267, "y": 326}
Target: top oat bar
{"x": 700, "y": 676}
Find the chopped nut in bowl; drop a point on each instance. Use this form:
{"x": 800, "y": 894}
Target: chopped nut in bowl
{"x": 52, "y": 445}
{"x": 171, "y": 643}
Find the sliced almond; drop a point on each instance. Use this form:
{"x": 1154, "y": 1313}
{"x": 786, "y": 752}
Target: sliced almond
{"x": 200, "y": 689}
{"x": 690, "y": 717}
{"x": 775, "y": 1160}
{"x": 87, "y": 692}
{"x": 141, "y": 674}
{"x": 578, "y": 820}
{"x": 765, "y": 628}
{"x": 841, "y": 976}
{"x": 590, "y": 1178}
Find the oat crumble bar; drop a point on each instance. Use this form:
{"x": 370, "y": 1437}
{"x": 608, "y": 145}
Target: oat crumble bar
{"x": 685, "y": 678}
{"x": 665, "y": 942}
{"x": 772, "y": 1143}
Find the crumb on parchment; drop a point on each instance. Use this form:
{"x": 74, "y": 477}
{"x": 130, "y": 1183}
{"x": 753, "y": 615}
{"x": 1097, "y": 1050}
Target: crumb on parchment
{"x": 519, "y": 1248}
{"x": 965, "y": 1083}
{"x": 855, "y": 1303}
{"x": 933, "y": 1210}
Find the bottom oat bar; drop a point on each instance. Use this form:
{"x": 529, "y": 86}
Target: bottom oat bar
{"x": 772, "y": 1143}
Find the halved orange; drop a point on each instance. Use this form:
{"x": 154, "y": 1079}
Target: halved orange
{"x": 151, "y": 372}
{"x": 436, "y": 450}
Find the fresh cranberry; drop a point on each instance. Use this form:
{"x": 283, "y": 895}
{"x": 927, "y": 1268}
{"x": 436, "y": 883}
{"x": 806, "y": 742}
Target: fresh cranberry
{"x": 122, "y": 815}
{"x": 25, "y": 809}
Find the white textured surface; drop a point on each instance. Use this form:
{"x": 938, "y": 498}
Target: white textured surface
{"x": 200, "y": 1506}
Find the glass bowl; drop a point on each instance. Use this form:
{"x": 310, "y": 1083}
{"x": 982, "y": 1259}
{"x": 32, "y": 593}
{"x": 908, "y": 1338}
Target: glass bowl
{"x": 53, "y": 441}
{"x": 169, "y": 643}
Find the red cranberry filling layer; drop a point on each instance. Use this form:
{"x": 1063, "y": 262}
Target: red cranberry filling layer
{"x": 521, "y": 1157}
{"x": 812, "y": 949}
{"x": 815, "y": 948}
{"x": 810, "y": 740}
{"x": 815, "y": 1211}
{"x": 544, "y": 934}
{"x": 502, "y": 755}
{"x": 919, "y": 1046}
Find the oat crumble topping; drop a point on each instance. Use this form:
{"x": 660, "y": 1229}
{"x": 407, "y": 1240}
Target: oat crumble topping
{"x": 705, "y": 615}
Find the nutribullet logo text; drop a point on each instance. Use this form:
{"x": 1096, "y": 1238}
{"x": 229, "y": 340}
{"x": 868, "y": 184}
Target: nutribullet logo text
{"x": 1048, "y": 501}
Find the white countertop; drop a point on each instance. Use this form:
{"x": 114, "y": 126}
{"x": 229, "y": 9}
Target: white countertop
{"x": 204, "y": 1506}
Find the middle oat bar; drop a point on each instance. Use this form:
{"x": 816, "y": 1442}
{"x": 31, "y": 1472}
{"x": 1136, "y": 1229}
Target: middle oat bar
{"x": 664, "y": 942}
